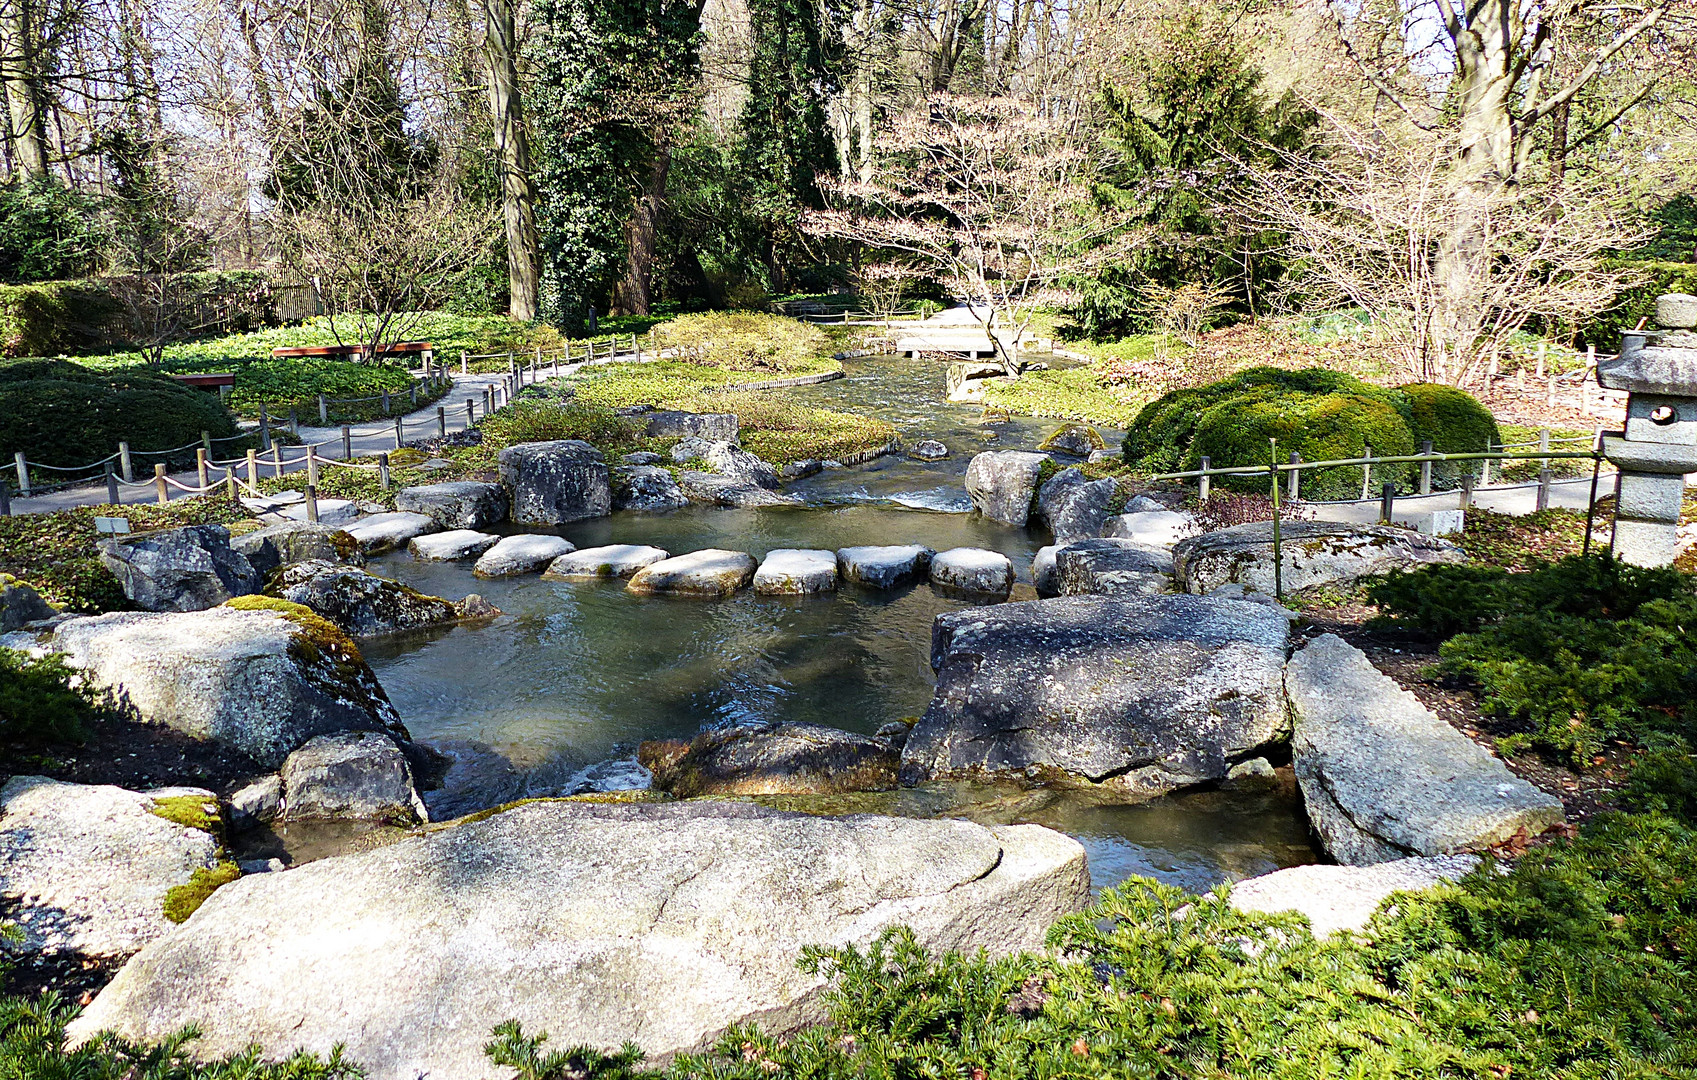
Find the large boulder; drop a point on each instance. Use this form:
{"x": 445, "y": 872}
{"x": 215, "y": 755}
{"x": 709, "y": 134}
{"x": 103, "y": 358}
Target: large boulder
{"x": 1132, "y": 697}
{"x": 359, "y": 603}
{"x": 1338, "y": 898}
{"x": 973, "y": 570}
{"x": 1313, "y": 553}
{"x": 524, "y": 553}
{"x": 20, "y": 604}
{"x": 1074, "y": 507}
{"x": 556, "y": 482}
{"x": 451, "y": 545}
{"x": 715, "y": 489}
{"x": 646, "y": 488}
{"x": 388, "y": 531}
{"x": 456, "y": 504}
{"x": 259, "y": 681}
{"x": 794, "y": 571}
{"x": 884, "y": 566}
{"x": 298, "y": 541}
{"x": 729, "y": 459}
{"x": 1384, "y": 778}
{"x": 187, "y": 569}
{"x": 608, "y": 561}
{"x": 673, "y": 424}
{"x": 595, "y": 923}
{"x": 1105, "y": 567}
{"x": 1001, "y": 484}
{"x": 708, "y": 574}
{"x": 1158, "y": 526}
{"x": 771, "y": 759}
{"x": 352, "y": 775}
{"x": 86, "y": 869}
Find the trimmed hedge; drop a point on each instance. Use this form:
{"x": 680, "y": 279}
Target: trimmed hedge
{"x": 63, "y": 414}
{"x": 59, "y": 317}
{"x": 1318, "y": 413}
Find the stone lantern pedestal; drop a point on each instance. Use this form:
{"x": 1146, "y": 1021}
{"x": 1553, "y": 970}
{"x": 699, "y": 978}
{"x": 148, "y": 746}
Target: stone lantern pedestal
{"x": 1658, "y": 370}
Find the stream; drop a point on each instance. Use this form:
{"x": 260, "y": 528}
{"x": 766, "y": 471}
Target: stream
{"x": 576, "y": 674}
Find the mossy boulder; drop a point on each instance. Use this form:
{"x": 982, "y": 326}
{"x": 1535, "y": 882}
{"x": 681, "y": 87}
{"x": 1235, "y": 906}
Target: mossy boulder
{"x": 358, "y": 603}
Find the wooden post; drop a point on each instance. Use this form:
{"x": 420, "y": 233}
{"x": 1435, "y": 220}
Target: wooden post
{"x": 1543, "y": 447}
{"x": 1425, "y": 468}
{"x": 1293, "y": 483}
{"x": 1204, "y": 482}
{"x": 1387, "y": 502}
{"x": 465, "y": 369}
{"x": 1466, "y": 490}
{"x": 253, "y": 470}
{"x": 512, "y": 365}
{"x": 231, "y": 488}
{"x": 23, "y": 474}
{"x": 636, "y": 349}
{"x": 111, "y": 485}
{"x": 1544, "y": 477}
{"x": 385, "y": 401}
{"x": 1366, "y": 474}
{"x": 470, "y": 416}
{"x": 276, "y": 460}
{"x": 159, "y": 483}
{"x": 398, "y": 426}
{"x": 1542, "y": 348}
{"x": 206, "y": 442}
{"x": 125, "y": 468}
{"x": 312, "y": 502}
{"x": 383, "y": 471}
{"x": 5, "y": 500}
{"x": 1550, "y": 390}
{"x": 1485, "y": 467}
{"x": 312, "y": 466}
{"x": 264, "y": 428}
{"x": 441, "y": 422}
{"x": 347, "y": 443}
{"x": 412, "y": 397}
{"x": 323, "y": 412}
{"x": 294, "y": 423}
{"x": 201, "y": 475}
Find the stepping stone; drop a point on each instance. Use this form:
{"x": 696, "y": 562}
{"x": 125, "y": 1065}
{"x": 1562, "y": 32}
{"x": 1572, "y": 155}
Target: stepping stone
{"x": 1384, "y": 778}
{"x": 610, "y": 561}
{"x": 524, "y": 554}
{"x": 453, "y": 544}
{"x": 792, "y": 571}
{"x": 1109, "y": 567}
{"x": 883, "y": 567}
{"x": 1162, "y": 527}
{"x": 709, "y": 574}
{"x": 1345, "y": 897}
{"x": 385, "y": 532}
{"x": 973, "y": 570}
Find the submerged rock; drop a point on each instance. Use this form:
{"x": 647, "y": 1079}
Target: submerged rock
{"x": 359, "y": 603}
{"x": 928, "y": 450}
{"x": 793, "y": 571}
{"x": 187, "y": 569}
{"x": 85, "y": 868}
{"x": 352, "y": 775}
{"x": 884, "y": 567}
{"x": 646, "y": 488}
{"x": 524, "y": 553}
{"x": 457, "y": 504}
{"x": 386, "y": 532}
{"x": 1001, "y": 484}
{"x": 1384, "y": 778}
{"x": 556, "y": 482}
{"x": 973, "y": 570}
{"x": 1105, "y": 567}
{"x": 1313, "y": 553}
{"x": 708, "y": 574}
{"x": 670, "y": 922}
{"x": 451, "y": 545}
{"x": 608, "y": 561}
{"x": 472, "y": 777}
{"x": 771, "y": 759}
{"x": 1134, "y": 697}
{"x": 1338, "y": 898}
{"x": 259, "y": 681}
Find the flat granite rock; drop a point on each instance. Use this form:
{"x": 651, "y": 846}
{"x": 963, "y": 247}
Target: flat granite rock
{"x": 883, "y": 567}
{"x": 450, "y": 545}
{"x": 1338, "y": 898}
{"x": 1153, "y": 525}
{"x": 188, "y": 569}
{"x": 456, "y": 504}
{"x": 795, "y": 571}
{"x": 1313, "y": 553}
{"x": 973, "y": 570}
{"x": 1132, "y": 697}
{"x": 1108, "y": 567}
{"x": 85, "y": 868}
{"x": 607, "y": 561}
{"x": 525, "y": 553}
{"x": 298, "y": 541}
{"x": 1385, "y": 778}
{"x": 771, "y": 759}
{"x": 386, "y": 532}
{"x": 598, "y": 924}
{"x": 708, "y": 574}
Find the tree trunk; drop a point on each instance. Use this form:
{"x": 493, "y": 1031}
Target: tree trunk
{"x": 23, "y": 104}
{"x": 634, "y": 293}
{"x": 512, "y": 150}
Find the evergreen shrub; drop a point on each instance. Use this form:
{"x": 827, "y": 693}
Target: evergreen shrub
{"x": 41, "y": 700}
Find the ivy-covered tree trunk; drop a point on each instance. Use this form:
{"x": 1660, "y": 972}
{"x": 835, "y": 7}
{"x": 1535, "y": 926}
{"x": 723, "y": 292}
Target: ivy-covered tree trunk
{"x": 512, "y": 151}
{"x": 26, "y": 127}
{"x": 634, "y": 294}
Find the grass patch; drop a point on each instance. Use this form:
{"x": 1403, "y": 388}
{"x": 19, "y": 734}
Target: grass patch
{"x": 776, "y": 429}
{"x": 184, "y": 900}
{"x": 744, "y": 341}
{"x": 56, "y": 553}
{"x": 1074, "y": 393}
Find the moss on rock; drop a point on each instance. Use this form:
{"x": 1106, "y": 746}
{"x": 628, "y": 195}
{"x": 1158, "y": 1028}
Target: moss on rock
{"x": 184, "y": 900}
{"x": 190, "y": 811}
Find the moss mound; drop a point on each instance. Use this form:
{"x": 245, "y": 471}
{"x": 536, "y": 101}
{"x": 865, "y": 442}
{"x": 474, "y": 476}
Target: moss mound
{"x": 1320, "y": 414}
{"x": 181, "y": 901}
{"x": 63, "y": 414}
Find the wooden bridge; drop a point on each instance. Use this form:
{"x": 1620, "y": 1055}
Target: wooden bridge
{"x": 967, "y": 340}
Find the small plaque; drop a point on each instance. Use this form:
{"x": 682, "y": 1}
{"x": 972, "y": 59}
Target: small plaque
{"x": 111, "y": 526}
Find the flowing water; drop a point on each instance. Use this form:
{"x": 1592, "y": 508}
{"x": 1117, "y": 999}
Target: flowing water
{"x": 577, "y": 673}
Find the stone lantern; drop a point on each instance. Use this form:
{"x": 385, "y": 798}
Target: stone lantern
{"x": 1658, "y": 370}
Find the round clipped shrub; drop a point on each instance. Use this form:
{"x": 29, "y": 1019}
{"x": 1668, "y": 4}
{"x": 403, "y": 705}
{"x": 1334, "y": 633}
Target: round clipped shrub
{"x": 1320, "y": 427}
{"x": 1454, "y": 421}
{"x": 60, "y": 413}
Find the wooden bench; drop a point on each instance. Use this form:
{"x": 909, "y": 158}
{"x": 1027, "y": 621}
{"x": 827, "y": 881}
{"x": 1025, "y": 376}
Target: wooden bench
{"x": 360, "y": 352}
{"x": 219, "y": 382}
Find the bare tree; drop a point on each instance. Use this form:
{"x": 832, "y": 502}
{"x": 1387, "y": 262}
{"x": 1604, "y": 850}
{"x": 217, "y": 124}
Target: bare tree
{"x": 512, "y": 151}
{"x": 986, "y": 194}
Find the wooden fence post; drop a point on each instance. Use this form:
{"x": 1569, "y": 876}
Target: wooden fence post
{"x": 1293, "y": 484}
{"x": 1425, "y": 468}
{"x": 1544, "y": 477}
{"x": 1366, "y": 474}
{"x": 5, "y": 500}
{"x": 264, "y": 428}
{"x": 465, "y": 368}
{"x": 111, "y": 485}
{"x": 441, "y": 422}
{"x": 1466, "y": 490}
{"x": 23, "y": 474}
{"x": 1485, "y": 467}
{"x": 312, "y": 503}
{"x": 1203, "y": 482}
{"x": 125, "y": 468}
{"x": 323, "y": 412}
{"x": 1543, "y": 447}
{"x": 383, "y": 471}
{"x": 159, "y": 483}
{"x": 399, "y": 422}
{"x": 253, "y": 470}
{"x": 347, "y": 443}
{"x": 206, "y": 442}
{"x": 470, "y": 416}
{"x": 203, "y": 478}
{"x": 1387, "y": 502}
{"x": 385, "y": 401}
